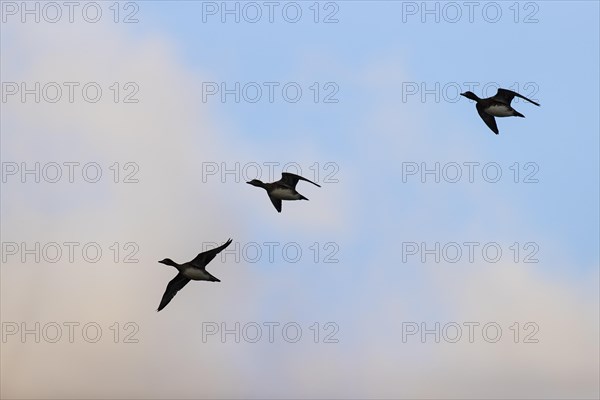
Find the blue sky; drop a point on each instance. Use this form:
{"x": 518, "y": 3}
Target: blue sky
{"x": 372, "y": 133}
{"x": 559, "y": 64}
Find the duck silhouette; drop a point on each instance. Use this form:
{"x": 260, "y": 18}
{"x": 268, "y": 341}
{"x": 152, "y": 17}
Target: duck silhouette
{"x": 496, "y": 106}
{"x": 193, "y": 270}
{"x": 283, "y": 189}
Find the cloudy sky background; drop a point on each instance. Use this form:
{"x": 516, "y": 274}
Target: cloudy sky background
{"x": 371, "y": 54}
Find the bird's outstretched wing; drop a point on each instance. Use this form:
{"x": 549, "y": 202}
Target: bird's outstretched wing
{"x": 489, "y": 120}
{"x": 204, "y": 258}
{"x": 173, "y": 287}
{"x": 276, "y": 203}
{"x": 290, "y": 180}
{"x": 506, "y": 96}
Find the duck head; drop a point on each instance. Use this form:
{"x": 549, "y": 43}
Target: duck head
{"x": 470, "y": 95}
{"x": 256, "y": 182}
{"x": 168, "y": 261}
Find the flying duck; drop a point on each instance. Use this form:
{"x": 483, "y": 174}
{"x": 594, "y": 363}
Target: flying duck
{"x": 496, "y": 106}
{"x": 283, "y": 189}
{"x": 193, "y": 270}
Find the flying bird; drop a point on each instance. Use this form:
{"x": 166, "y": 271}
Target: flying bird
{"x": 496, "y": 106}
{"x": 283, "y": 189}
{"x": 193, "y": 270}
